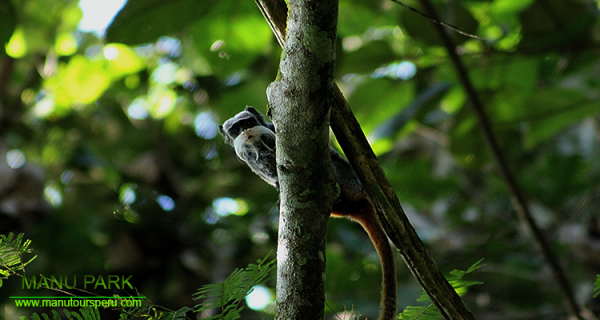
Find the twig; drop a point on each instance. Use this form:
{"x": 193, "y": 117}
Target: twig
{"x": 518, "y": 197}
{"x": 437, "y": 21}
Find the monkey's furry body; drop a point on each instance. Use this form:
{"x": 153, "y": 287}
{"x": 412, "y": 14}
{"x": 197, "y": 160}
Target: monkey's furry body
{"x": 254, "y": 142}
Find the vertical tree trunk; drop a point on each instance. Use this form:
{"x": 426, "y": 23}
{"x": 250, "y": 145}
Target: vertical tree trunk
{"x": 300, "y": 100}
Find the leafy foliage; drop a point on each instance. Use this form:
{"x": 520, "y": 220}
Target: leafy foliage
{"x": 430, "y": 312}
{"x": 227, "y": 296}
{"x": 149, "y": 310}
{"x": 11, "y": 252}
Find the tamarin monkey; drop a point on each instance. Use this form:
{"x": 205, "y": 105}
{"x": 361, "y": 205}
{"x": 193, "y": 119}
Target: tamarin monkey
{"x": 253, "y": 139}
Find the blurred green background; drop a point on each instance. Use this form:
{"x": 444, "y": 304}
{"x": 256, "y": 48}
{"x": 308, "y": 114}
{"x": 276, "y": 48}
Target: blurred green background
{"x": 110, "y": 160}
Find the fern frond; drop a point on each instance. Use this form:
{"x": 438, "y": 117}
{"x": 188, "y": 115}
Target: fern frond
{"x": 148, "y": 310}
{"x": 422, "y": 313}
{"x": 597, "y": 286}
{"x": 11, "y": 251}
{"x": 227, "y": 296}
{"x": 430, "y": 312}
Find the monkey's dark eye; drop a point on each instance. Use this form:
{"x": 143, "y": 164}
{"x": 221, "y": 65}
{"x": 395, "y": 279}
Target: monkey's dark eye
{"x": 234, "y": 131}
{"x": 242, "y": 125}
{"x": 249, "y": 123}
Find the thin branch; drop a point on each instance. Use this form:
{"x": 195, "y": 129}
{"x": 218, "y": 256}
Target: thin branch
{"x": 437, "y": 21}
{"x": 517, "y": 195}
{"x": 391, "y": 215}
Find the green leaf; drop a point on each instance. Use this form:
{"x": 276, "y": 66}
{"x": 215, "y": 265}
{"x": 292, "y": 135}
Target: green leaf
{"x": 430, "y": 311}
{"x": 475, "y": 266}
{"x": 420, "y": 312}
{"x": 227, "y": 296}
{"x": 11, "y": 251}
{"x": 142, "y": 21}
{"x": 597, "y": 286}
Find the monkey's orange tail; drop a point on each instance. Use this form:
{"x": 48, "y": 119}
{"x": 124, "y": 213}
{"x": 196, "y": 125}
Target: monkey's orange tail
{"x": 364, "y": 213}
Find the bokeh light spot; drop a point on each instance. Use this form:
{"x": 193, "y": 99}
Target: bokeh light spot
{"x": 205, "y": 125}
{"x": 259, "y": 298}
{"x": 111, "y": 52}
{"x": 168, "y": 45}
{"x": 15, "y": 158}
{"x": 52, "y": 195}
{"x": 66, "y": 44}
{"x": 16, "y": 47}
{"x": 66, "y": 176}
{"x": 165, "y": 202}
{"x": 127, "y": 193}
{"x": 403, "y": 71}
{"x": 227, "y": 206}
{"x": 138, "y": 109}
{"x": 165, "y": 73}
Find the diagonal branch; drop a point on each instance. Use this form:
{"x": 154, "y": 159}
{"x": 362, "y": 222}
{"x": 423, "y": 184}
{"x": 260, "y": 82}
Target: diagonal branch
{"x": 362, "y": 158}
{"x": 437, "y": 21}
{"x": 517, "y": 195}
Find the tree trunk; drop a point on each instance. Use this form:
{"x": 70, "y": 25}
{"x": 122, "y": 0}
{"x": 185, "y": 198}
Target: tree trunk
{"x": 300, "y": 100}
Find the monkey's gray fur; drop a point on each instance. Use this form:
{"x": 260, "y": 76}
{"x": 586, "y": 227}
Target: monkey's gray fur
{"x": 253, "y": 139}
{"x": 254, "y": 142}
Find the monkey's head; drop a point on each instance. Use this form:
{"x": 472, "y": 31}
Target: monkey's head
{"x": 254, "y": 142}
{"x": 247, "y": 119}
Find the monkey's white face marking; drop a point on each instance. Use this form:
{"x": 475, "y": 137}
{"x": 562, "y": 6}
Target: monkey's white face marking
{"x": 248, "y": 139}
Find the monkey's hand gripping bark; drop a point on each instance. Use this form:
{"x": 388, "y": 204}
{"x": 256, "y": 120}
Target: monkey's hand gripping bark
{"x": 254, "y": 142}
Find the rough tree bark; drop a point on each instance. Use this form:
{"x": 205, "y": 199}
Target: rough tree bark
{"x": 300, "y": 100}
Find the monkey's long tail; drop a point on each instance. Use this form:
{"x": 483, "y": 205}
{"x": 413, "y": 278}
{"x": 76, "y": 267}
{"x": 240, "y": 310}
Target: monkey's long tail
{"x": 368, "y": 219}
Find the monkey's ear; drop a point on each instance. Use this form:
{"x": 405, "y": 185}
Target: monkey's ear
{"x": 224, "y": 133}
{"x": 252, "y": 110}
